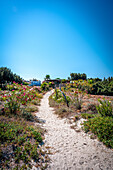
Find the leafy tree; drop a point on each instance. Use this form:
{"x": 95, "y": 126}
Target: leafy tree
{"x": 77, "y": 76}
{"x": 72, "y": 76}
{"x": 7, "y": 76}
{"x": 47, "y": 77}
{"x": 83, "y": 76}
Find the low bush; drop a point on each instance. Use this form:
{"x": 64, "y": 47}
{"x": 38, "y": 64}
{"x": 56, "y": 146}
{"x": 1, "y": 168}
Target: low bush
{"x": 102, "y": 127}
{"x": 22, "y": 95}
{"x": 45, "y": 86}
{"x": 105, "y": 108}
{"x": 20, "y": 142}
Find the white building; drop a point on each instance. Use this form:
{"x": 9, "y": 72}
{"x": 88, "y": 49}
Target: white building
{"x": 35, "y": 83}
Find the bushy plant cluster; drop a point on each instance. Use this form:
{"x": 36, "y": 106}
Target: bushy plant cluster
{"x": 101, "y": 125}
{"x": 93, "y": 86}
{"x": 20, "y": 95}
{"x": 105, "y": 108}
{"x": 45, "y": 86}
{"x": 23, "y": 142}
{"x": 99, "y": 88}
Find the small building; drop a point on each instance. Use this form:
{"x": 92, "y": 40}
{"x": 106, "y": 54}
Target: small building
{"x": 35, "y": 83}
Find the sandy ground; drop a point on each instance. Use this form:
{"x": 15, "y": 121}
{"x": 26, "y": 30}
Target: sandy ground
{"x": 71, "y": 150}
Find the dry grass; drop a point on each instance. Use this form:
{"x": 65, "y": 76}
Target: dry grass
{"x": 62, "y": 112}
{"x": 53, "y": 103}
{"x": 61, "y": 109}
{"x": 32, "y": 108}
{"x": 87, "y": 106}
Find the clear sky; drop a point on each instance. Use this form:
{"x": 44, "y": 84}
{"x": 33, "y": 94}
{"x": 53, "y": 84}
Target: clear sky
{"x": 57, "y": 37}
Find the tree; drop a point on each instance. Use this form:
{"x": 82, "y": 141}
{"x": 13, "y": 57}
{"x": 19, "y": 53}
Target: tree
{"x": 7, "y": 76}
{"x": 47, "y": 77}
{"x": 72, "y": 76}
{"x": 76, "y": 76}
{"x": 84, "y": 76}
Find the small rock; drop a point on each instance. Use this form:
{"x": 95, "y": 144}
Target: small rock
{"x": 81, "y": 161}
{"x": 77, "y": 130}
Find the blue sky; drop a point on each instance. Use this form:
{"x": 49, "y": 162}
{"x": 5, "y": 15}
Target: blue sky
{"x": 57, "y": 37}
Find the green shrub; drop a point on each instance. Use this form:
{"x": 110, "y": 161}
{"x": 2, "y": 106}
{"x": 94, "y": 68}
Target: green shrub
{"x": 87, "y": 115}
{"x": 12, "y": 104}
{"x": 27, "y": 116}
{"x": 102, "y": 127}
{"x": 25, "y": 83}
{"x": 105, "y": 108}
{"x": 37, "y": 136}
{"x": 45, "y": 86}
{"x": 101, "y": 88}
{"x": 34, "y": 154}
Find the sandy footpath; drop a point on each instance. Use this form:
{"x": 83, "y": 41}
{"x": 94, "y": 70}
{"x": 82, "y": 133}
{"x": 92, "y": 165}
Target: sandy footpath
{"x": 71, "y": 150}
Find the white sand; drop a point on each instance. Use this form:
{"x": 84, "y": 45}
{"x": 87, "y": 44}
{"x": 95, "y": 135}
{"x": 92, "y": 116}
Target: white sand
{"x": 72, "y": 150}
